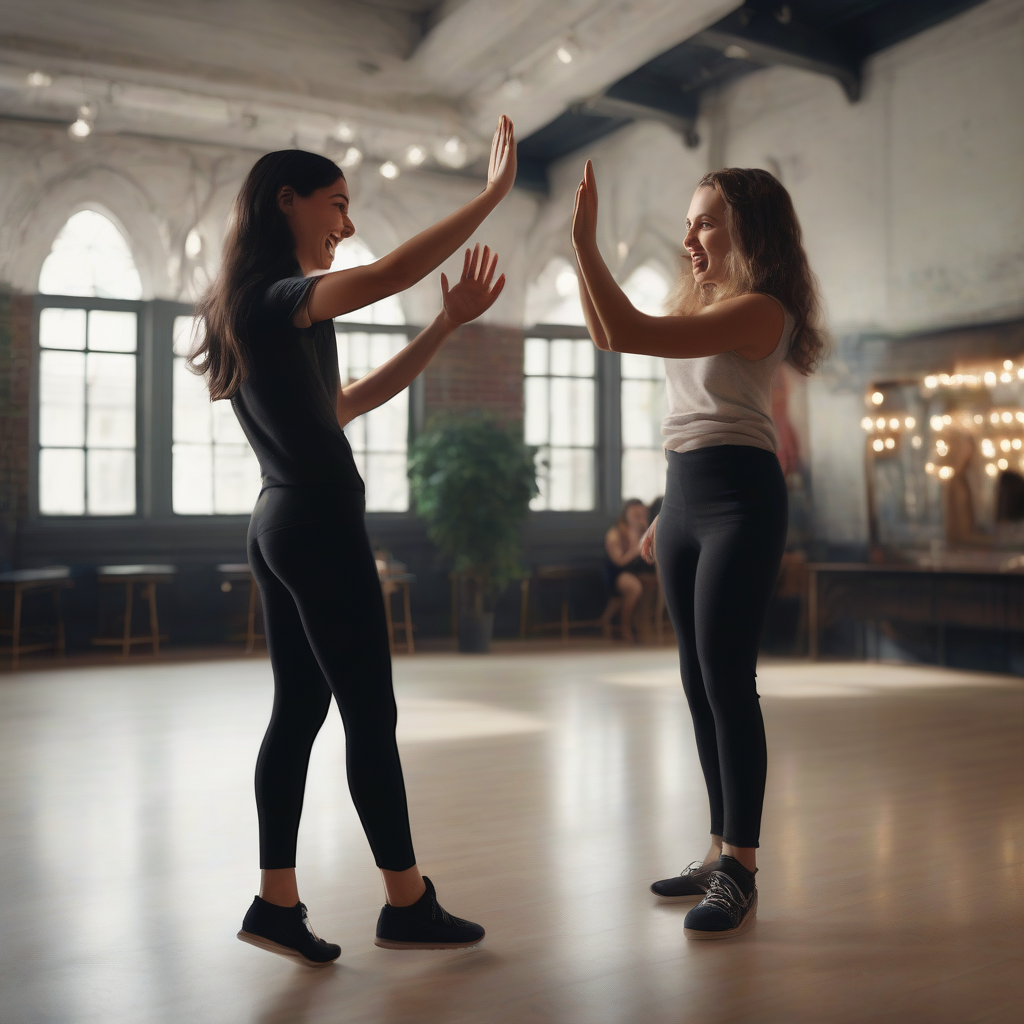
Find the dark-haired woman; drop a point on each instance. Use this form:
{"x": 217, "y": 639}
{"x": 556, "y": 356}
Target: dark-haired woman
{"x": 627, "y": 573}
{"x": 269, "y": 346}
{"x": 748, "y": 303}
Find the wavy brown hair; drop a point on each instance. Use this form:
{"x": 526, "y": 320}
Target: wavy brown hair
{"x": 767, "y": 256}
{"x": 259, "y": 249}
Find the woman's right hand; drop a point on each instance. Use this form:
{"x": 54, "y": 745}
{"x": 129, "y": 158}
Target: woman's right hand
{"x": 501, "y": 170}
{"x": 647, "y": 543}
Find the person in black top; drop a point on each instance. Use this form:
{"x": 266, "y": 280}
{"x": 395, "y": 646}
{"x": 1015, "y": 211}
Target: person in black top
{"x": 624, "y": 569}
{"x": 269, "y": 345}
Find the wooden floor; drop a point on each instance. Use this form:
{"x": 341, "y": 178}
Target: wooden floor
{"x": 548, "y": 790}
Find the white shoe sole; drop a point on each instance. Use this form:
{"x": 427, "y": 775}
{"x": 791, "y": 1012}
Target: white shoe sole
{"x": 276, "y": 947}
{"x": 748, "y": 920}
{"x": 391, "y": 944}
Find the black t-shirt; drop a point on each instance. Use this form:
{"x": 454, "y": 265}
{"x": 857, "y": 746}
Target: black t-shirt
{"x": 286, "y": 404}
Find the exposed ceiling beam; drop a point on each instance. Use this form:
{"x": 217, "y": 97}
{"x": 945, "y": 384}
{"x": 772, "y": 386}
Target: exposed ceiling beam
{"x": 609, "y": 106}
{"x": 779, "y": 38}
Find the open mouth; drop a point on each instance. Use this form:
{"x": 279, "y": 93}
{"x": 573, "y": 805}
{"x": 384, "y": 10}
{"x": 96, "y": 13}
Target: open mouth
{"x": 331, "y": 245}
{"x": 700, "y": 262}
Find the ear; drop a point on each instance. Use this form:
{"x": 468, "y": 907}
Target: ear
{"x": 286, "y": 200}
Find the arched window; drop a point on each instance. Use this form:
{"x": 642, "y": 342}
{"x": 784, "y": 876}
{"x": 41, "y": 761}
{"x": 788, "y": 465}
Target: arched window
{"x": 642, "y": 396}
{"x": 90, "y": 257}
{"x": 560, "y": 391}
{"x": 379, "y": 438}
{"x": 87, "y": 372}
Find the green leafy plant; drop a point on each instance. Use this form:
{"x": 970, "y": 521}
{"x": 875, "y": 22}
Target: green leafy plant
{"x": 472, "y": 480}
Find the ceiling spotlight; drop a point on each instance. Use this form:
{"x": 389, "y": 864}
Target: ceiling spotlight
{"x": 344, "y": 132}
{"x": 454, "y": 152}
{"x": 38, "y": 80}
{"x": 736, "y": 52}
{"x": 193, "y": 244}
{"x": 878, "y": 398}
{"x": 351, "y": 158}
{"x": 415, "y": 155}
{"x": 564, "y": 54}
{"x": 249, "y": 120}
{"x": 83, "y": 126}
{"x": 389, "y": 169}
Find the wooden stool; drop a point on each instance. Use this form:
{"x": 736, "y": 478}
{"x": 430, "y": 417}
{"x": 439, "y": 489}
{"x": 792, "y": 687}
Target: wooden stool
{"x": 127, "y": 576}
{"x": 392, "y": 580}
{"x": 562, "y": 574}
{"x": 54, "y": 579}
{"x": 239, "y": 572}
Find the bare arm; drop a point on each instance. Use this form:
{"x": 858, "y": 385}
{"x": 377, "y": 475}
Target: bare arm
{"x": 750, "y": 325}
{"x": 619, "y": 550}
{"x": 597, "y": 334}
{"x": 344, "y": 290}
{"x": 467, "y": 300}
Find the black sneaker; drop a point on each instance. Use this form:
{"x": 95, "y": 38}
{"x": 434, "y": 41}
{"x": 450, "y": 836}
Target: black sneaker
{"x": 725, "y": 910}
{"x": 424, "y": 925}
{"x": 687, "y": 887}
{"x": 287, "y": 932}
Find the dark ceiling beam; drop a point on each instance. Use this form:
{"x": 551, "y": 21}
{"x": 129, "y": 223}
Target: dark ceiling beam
{"x": 611, "y": 106}
{"x": 779, "y": 39}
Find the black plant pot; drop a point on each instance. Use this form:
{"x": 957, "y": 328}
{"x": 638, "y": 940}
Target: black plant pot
{"x": 475, "y": 633}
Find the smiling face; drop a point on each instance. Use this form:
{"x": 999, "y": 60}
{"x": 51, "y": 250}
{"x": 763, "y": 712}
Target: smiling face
{"x": 636, "y": 517}
{"x": 707, "y": 237}
{"x": 318, "y": 223}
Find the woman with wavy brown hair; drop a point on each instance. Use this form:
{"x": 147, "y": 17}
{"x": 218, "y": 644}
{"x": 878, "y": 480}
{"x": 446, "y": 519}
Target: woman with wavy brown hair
{"x": 748, "y": 303}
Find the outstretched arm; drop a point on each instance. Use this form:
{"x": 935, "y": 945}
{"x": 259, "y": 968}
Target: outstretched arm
{"x": 466, "y": 301}
{"x": 748, "y": 324}
{"x": 344, "y": 290}
{"x": 593, "y": 321}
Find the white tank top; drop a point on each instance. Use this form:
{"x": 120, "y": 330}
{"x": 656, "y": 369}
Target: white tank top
{"x": 723, "y": 399}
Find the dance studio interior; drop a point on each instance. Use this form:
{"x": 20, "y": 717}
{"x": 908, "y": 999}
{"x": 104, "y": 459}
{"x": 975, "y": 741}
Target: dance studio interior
{"x": 546, "y": 741}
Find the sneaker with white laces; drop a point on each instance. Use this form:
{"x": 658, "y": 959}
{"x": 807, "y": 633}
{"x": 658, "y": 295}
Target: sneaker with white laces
{"x": 287, "y": 932}
{"x": 687, "y": 887}
{"x": 725, "y": 910}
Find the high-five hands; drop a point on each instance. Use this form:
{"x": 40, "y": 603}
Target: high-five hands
{"x": 501, "y": 169}
{"x": 473, "y": 294}
{"x": 584, "y": 216}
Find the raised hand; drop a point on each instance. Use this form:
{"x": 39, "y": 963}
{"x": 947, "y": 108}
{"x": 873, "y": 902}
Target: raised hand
{"x": 584, "y": 216}
{"x": 473, "y": 294}
{"x": 501, "y": 170}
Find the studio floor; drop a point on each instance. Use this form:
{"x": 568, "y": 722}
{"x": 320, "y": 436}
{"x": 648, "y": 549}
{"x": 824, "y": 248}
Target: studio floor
{"x": 547, "y": 790}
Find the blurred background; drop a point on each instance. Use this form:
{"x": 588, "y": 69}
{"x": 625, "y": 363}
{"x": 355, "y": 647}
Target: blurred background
{"x": 126, "y": 129}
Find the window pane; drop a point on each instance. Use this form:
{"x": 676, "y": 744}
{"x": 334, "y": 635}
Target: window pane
{"x": 226, "y": 428}
{"x": 90, "y": 257}
{"x": 186, "y": 333}
{"x": 535, "y": 422}
{"x": 535, "y": 357}
{"x": 571, "y": 484}
{"x": 62, "y": 482}
{"x": 355, "y": 431}
{"x": 236, "y": 479}
{"x": 192, "y": 479}
{"x": 62, "y": 328}
{"x": 643, "y": 473}
{"x": 637, "y": 367}
{"x": 387, "y": 427}
{"x": 61, "y": 398}
{"x": 643, "y": 409}
{"x": 561, "y": 357}
{"x": 387, "y": 485}
{"x": 583, "y": 358}
{"x": 111, "y": 482}
{"x": 572, "y": 411}
{"x": 110, "y": 396}
{"x": 111, "y": 331}
{"x": 192, "y": 416}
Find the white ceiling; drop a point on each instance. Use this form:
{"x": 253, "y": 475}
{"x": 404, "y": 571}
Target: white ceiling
{"x": 266, "y": 73}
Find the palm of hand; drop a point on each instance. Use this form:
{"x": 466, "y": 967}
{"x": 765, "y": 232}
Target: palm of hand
{"x": 473, "y": 294}
{"x": 501, "y": 169}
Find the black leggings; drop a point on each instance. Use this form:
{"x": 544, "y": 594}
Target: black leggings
{"x": 720, "y": 537}
{"x": 326, "y": 634}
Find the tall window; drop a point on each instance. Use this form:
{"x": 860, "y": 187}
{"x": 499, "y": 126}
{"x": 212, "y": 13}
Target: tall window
{"x": 559, "y": 394}
{"x": 380, "y": 438}
{"x": 87, "y": 411}
{"x": 87, "y": 373}
{"x": 214, "y": 471}
{"x": 642, "y": 396}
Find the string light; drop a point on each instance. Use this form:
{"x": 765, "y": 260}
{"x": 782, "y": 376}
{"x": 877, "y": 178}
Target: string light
{"x": 389, "y": 169}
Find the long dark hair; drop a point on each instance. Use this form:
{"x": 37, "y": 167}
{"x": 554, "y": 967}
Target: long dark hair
{"x": 259, "y": 248}
{"x": 767, "y": 256}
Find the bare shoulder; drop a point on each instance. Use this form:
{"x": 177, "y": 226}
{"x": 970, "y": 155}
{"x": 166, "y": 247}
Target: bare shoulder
{"x": 755, "y": 320}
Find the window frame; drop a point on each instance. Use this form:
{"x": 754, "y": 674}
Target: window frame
{"x": 154, "y": 407}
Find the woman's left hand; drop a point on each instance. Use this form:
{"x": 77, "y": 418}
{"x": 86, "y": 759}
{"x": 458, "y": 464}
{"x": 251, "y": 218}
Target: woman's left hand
{"x": 584, "y": 216}
{"x": 473, "y": 294}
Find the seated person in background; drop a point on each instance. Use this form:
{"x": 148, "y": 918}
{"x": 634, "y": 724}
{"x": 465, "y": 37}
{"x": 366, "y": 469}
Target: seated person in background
{"x": 627, "y": 573}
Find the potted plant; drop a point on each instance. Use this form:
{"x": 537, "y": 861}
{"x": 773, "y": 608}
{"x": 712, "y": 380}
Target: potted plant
{"x": 472, "y": 480}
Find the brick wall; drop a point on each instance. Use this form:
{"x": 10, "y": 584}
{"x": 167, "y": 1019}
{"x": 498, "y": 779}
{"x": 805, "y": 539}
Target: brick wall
{"x": 15, "y": 351}
{"x": 480, "y": 367}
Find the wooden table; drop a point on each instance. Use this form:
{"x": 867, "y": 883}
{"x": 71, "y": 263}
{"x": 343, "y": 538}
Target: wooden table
{"x": 239, "y": 572}
{"x": 54, "y": 579}
{"x": 937, "y": 593}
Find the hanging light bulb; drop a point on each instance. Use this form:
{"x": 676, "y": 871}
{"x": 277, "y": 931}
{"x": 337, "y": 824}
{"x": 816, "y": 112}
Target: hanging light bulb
{"x": 82, "y": 128}
{"x": 38, "y": 80}
{"x": 415, "y": 155}
{"x": 352, "y": 158}
{"x": 389, "y": 169}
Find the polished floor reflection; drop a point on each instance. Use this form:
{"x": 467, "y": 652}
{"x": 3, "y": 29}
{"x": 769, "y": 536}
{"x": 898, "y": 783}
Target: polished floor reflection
{"x": 548, "y": 790}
